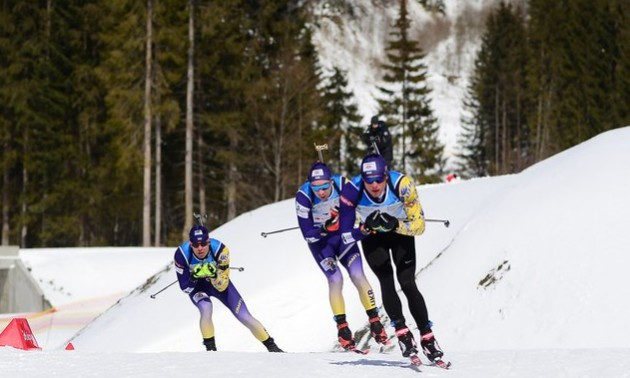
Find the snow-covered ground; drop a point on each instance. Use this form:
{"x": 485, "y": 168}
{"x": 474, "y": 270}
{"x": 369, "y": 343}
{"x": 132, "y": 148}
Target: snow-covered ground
{"x": 530, "y": 280}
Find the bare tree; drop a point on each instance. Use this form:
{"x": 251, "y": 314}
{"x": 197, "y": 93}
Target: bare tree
{"x": 188, "y": 191}
{"x": 146, "y": 204}
{"x": 5, "y": 193}
{"x": 158, "y": 180}
{"x": 201, "y": 174}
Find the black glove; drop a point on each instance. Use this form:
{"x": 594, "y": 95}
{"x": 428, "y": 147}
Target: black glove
{"x": 372, "y": 222}
{"x": 387, "y": 222}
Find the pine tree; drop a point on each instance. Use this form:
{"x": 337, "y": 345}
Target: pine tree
{"x": 340, "y": 122}
{"x": 497, "y": 130}
{"x": 123, "y": 45}
{"x": 283, "y": 100}
{"x": 620, "y": 27}
{"x": 171, "y": 29}
{"x": 225, "y": 72}
{"x": 577, "y": 54}
{"x": 406, "y": 105}
{"x": 472, "y": 157}
{"x": 37, "y": 85}
{"x": 7, "y": 156}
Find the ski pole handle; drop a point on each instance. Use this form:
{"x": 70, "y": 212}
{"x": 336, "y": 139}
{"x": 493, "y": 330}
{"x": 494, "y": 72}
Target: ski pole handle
{"x": 239, "y": 268}
{"x": 264, "y": 234}
{"x": 446, "y": 222}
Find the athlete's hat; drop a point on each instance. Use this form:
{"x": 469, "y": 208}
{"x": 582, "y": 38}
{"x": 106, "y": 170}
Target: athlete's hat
{"x": 319, "y": 171}
{"x": 373, "y": 166}
{"x": 198, "y": 234}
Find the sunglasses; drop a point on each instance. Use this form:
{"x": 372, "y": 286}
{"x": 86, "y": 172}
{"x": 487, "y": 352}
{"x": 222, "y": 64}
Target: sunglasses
{"x": 374, "y": 179}
{"x": 317, "y": 188}
{"x": 199, "y": 244}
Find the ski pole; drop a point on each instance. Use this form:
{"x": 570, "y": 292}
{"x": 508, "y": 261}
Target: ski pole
{"x": 264, "y": 234}
{"x": 446, "y": 222}
{"x": 239, "y": 268}
{"x": 164, "y": 288}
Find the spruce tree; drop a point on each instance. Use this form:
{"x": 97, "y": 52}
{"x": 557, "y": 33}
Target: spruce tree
{"x": 496, "y": 127}
{"x": 123, "y": 45}
{"x": 225, "y": 71}
{"x": 37, "y": 83}
{"x": 283, "y": 101}
{"x": 620, "y": 26}
{"x": 405, "y": 103}
{"x": 340, "y": 122}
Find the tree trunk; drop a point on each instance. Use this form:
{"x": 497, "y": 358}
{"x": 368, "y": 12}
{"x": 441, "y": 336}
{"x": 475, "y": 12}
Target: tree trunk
{"x": 5, "y": 192}
{"x": 158, "y": 180}
{"x": 505, "y": 131}
{"x": 202, "y": 170}
{"x": 231, "y": 189}
{"x": 24, "y": 228}
{"x": 404, "y": 123}
{"x": 146, "y": 204}
{"x": 496, "y": 130}
{"x": 188, "y": 191}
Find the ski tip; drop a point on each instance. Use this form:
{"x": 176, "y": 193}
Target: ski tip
{"x": 443, "y": 364}
{"x": 415, "y": 360}
{"x": 359, "y": 351}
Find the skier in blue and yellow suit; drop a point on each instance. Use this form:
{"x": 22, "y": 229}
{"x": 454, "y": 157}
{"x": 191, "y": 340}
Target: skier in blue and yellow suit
{"x": 317, "y": 208}
{"x": 202, "y": 267}
{"x": 390, "y": 216}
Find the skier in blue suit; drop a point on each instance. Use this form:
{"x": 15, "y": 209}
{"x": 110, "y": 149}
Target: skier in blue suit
{"x": 317, "y": 208}
{"x": 202, "y": 267}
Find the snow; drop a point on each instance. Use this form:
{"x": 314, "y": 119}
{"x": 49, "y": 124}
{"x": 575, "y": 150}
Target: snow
{"x": 357, "y": 46}
{"x": 539, "y": 363}
{"x": 529, "y": 280}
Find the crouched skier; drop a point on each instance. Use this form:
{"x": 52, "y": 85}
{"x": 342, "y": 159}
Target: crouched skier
{"x": 202, "y": 266}
{"x": 317, "y": 205}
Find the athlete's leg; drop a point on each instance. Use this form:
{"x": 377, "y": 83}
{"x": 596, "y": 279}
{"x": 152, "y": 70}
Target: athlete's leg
{"x": 326, "y": 260}
{"x": 376, "y": 251}
{"x": 201, "y": 299}
{"x": 350, "y": 258}
{"x": 404, "y": 256}
{"x": 231, "y": 298}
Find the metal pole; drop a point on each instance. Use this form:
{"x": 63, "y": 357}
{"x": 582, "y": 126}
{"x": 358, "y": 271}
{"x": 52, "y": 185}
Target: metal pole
{"x": 264, "y": 234}
{"x": 446, "y": 222}
{"x": 164, "y": 288}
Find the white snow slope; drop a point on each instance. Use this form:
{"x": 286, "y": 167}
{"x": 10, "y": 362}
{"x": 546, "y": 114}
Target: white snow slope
{"x": 528, "y": 281}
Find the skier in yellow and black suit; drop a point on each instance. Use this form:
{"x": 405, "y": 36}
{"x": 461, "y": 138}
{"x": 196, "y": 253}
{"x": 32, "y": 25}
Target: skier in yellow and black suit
{"x": 391, "y": 215}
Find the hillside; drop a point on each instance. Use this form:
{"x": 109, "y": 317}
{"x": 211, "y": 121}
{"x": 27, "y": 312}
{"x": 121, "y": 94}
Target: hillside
{"x": 529, "y": 280}
{"x": 551, "y": 241}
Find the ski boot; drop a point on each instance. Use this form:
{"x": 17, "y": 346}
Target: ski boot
{"x": 271, "y": 345}
{"x": 377, "y": 329}
{"x": 343, "y": 333}
{"x": 430, "y": 347}
{"x": 406, "y": 342}
{"x": 210, "y": 344}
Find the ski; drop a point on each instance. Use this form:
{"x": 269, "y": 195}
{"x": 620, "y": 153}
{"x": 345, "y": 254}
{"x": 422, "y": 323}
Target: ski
{"x": 415, "y": 360}
{"x": 358, "y": 351}
{"x": 442, "y": 364}
{"x": 416, "y": 363}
